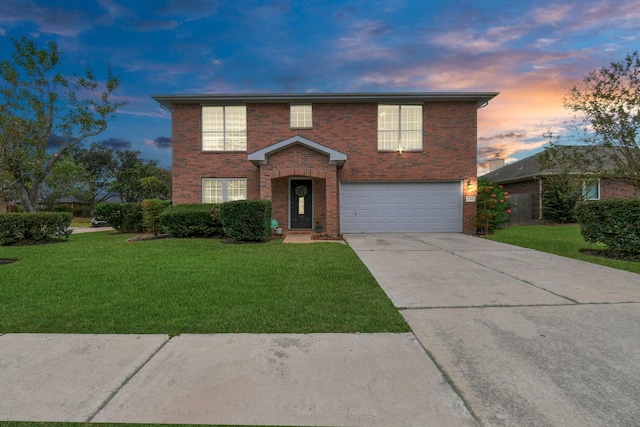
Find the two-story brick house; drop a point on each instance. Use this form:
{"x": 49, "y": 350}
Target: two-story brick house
{"x": 354, "y": 162}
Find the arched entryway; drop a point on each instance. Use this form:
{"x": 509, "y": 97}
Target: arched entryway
{"x": 299, "y": 163}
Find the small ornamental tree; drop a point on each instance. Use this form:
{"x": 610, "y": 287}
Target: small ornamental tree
{"x": 493, "y": 206}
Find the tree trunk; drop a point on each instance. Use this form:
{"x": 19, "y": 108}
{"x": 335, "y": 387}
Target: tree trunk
{"x": 30, "y": 198}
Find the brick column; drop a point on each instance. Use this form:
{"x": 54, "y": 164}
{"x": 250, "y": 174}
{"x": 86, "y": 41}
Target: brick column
{"x": 332, "y": 205}
{"x": 265, "y": 182}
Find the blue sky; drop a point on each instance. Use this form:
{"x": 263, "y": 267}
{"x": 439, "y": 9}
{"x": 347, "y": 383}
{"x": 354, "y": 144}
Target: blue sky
{"x": 531, "y": 52}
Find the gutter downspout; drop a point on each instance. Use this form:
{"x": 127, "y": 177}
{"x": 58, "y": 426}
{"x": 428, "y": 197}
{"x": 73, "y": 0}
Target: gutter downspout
{"x": 540, "y": 199}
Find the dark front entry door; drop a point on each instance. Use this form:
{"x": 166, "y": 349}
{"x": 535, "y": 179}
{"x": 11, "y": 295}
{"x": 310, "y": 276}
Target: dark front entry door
{"x": 301, "y": 203}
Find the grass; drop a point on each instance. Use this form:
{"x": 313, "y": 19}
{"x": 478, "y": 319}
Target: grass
{"x": 81, "y": 222}
{"x": 564, "y": 240}
{"x": 99, "y": 283}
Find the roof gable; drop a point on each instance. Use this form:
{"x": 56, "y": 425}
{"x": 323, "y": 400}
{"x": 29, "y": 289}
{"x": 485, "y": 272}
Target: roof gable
{"x": 260, "y": 157}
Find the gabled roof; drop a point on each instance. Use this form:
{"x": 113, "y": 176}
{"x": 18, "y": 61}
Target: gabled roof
{"x": 480, "y": 98}
{"x": 521, "y": 170}
{"x": 596, "y": 160}
{"x": 260, "y": 156}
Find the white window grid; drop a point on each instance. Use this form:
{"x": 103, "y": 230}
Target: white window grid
{"x": 301, "y": 116}
{"x": 399, "y": 126}
{"x": 218, "y": 190}
{"x": 224, "y": 128}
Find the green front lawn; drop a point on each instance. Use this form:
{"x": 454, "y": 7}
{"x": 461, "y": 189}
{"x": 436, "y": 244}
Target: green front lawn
{"x": 99, "y": 283}
{"x": 564, "y": 240}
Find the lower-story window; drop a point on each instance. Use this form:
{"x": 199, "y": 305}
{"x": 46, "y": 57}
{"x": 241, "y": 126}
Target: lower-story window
{"x": 218, "y": 190}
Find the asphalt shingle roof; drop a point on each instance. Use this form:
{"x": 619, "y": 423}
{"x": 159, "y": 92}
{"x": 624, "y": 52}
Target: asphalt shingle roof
{"x": 530, "y": 167}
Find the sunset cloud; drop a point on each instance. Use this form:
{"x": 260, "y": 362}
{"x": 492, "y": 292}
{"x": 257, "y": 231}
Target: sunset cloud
{"x": 531, "y": 53}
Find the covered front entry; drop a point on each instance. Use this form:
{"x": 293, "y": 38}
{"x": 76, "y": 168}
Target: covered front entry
{"x": 300, "y": 177}
{"x": 301, "y": 203}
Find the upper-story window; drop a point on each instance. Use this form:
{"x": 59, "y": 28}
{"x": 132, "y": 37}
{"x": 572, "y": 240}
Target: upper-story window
{"x": 301, "y": 116}
{"x": 224, "y": 128}
{"x": 399, "y": 127}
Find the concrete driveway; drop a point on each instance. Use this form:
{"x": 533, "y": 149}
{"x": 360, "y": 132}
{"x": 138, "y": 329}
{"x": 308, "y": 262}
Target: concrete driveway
{"x": 527, "y": 338}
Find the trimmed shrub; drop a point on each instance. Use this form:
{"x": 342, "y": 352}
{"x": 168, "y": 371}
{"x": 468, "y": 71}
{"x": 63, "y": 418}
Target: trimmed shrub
{"x": 614, "y": 223}
{"x": 151, "y": 210}
{"x": 192, "y": 220}
{"x": 37, "y": 227}
{"x": 124, "y": 217}
{"x": 246, "y": 220}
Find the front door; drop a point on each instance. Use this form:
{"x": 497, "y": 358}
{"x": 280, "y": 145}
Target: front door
{"x": 301, "y": 203}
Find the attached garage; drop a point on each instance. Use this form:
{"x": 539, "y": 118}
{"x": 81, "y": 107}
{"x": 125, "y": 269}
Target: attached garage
{"x": 398, "y": 207}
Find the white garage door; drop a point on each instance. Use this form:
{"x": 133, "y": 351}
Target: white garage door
{"x": 400, "y": 207}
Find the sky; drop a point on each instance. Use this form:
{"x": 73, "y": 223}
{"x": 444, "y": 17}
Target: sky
{"x": 532, "y": 52}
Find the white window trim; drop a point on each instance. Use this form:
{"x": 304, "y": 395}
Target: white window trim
{"x": 224, "y": 131}
{"x": 291, "y": 124}
{"x": 224, "y": 187}
{"x": 399, "y": 130}
{"x": 585, "y": 188}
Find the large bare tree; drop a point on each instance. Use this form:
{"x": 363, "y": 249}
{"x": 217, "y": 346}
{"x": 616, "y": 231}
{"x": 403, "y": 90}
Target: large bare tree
{"x": 44, "y": 112}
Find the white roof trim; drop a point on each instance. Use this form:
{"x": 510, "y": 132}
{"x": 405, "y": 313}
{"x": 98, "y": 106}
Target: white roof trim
{"x": 260, "y": 157}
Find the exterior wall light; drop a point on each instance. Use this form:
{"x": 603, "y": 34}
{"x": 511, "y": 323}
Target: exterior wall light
{"x": 469, "y": 185}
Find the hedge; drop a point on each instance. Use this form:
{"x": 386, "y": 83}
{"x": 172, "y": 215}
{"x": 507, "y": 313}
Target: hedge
{"x": 192, "y": 220}
{"x": 151, "y": 210}
{"x": 124, "y": 217}
{"x": 37, "y": 227}
{"x": 614, "y": 223}
{"x": 246, "y": 220}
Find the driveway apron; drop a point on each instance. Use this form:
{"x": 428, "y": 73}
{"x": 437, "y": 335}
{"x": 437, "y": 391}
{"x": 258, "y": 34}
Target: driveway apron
{"x": 527, "y": 338}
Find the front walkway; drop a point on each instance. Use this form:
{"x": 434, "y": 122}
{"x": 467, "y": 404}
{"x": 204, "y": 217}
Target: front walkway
{"x": 306, "y": 238}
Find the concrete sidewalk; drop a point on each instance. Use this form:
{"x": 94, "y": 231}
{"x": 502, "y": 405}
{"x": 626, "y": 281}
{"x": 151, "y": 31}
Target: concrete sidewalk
{"x": 81, "y": 230}
{"x": 247, "y": 379}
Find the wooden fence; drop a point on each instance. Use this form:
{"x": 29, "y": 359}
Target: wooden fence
{"x": 520, "y": 209}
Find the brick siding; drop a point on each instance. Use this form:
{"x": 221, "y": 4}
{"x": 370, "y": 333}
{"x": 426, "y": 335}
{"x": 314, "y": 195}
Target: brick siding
{"x": 450, "y": 130}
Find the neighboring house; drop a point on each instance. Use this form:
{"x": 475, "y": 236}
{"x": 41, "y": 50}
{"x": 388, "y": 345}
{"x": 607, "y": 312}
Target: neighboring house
{"x": 527, "y": 177}
{"x": 354, "y": 162}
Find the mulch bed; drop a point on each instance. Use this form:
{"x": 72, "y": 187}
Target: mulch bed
{"x": 622, "y": 256}
{"x": 8, "y": 260}
{"x": 325, "y": 237}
